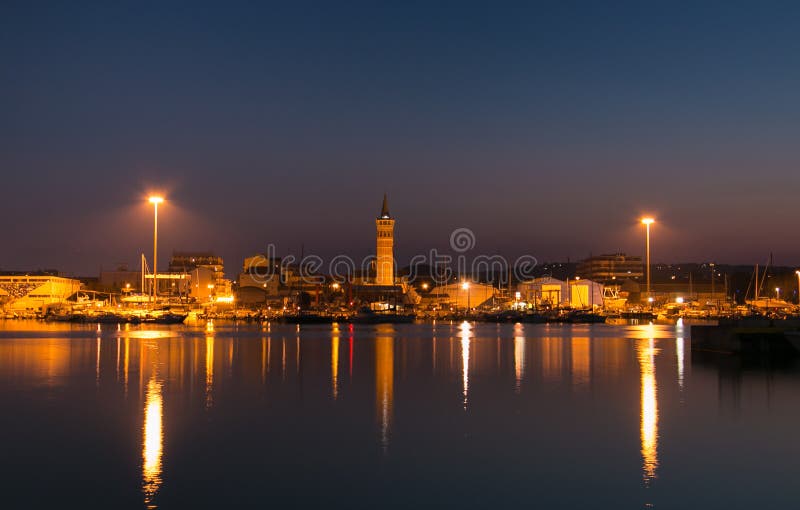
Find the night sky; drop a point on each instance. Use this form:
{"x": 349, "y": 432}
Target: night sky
{"x": 548, "y": 130}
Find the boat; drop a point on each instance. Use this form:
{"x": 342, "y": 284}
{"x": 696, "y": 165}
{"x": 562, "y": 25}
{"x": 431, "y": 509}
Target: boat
{"x": 303, "y": 317}
{"x": 535, "y": 318}
{"x": 501, "y": 316}
{"x": 583, "y": 317}
{"x": 165, "y": 318}
{"x": 365, "y": 315}
{"x": 642, "y": 316}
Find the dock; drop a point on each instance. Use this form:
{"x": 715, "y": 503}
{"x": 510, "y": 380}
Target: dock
{"x": 747, "y": 337}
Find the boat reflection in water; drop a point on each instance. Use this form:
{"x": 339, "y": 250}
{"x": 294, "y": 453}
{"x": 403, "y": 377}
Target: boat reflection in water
{"x": 646, "y": 351}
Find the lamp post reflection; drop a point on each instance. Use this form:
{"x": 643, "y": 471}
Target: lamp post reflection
{"x": 465, "y": 332}
{"x": 153, "y": 442}
{"x": 645, "y": 350}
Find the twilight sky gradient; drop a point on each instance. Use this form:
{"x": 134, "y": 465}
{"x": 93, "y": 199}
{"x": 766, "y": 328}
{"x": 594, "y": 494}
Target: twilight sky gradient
{"x": 546, "y": 129}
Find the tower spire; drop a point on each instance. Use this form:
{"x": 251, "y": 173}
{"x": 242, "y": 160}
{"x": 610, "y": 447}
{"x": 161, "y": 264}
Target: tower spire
{"x": 385, "y": 208}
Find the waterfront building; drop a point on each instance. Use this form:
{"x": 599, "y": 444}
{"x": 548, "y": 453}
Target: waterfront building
{"x": 585, "y": 294}
{"x": 544, "y": 291}
{"x": 206, "y": 272}
{"x": 611, "y": 267}
{"x": 259, "y": 282}
{"x": 459, "y": 295}
{"x": 35, "y": 293}
{"x": 384, "y": 253}
{"x": 120, "y": 280}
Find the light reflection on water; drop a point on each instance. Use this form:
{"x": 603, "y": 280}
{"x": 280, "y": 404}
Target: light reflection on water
{"x": 579, "y": 387}
{"x": 646, "y": 353}
{"x": 519, "y": 357}
{"x": 153, "y": 442}
{"x": 465, "y": 334}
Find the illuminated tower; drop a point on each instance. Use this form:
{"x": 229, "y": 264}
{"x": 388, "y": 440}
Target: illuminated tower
{"x": 384, "y": 265}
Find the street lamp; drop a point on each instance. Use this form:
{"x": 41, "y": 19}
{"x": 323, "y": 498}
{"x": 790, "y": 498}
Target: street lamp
{"x": 798, "y": 285}
{"x": 778, "y": 293}
{"x": 155, "y": 200}
{"x": 465, "y": 286}
{"x": 647, "y": 222}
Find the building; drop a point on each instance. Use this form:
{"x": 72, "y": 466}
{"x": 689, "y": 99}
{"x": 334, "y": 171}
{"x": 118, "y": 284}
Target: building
{"x": 206, "y": 272}
{"x": 259, "y": 283}
{"x": 461, "y": 295}
{"x": 585, "y": 294}
{"x": 611, "y": 267}
{"x": 122, "y": 279}
{"x": 384, "y": 253}
{"x": 545, "y": 291}
{"x": 35, "y": 293}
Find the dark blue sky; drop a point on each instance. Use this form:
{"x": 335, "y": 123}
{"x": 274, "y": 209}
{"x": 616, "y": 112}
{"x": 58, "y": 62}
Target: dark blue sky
{"x": 547, "y": 129}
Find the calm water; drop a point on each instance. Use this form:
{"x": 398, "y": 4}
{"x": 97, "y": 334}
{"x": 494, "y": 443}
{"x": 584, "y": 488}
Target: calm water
{"x": 397, "y": 416}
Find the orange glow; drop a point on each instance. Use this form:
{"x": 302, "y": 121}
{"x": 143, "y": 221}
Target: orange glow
{"x": 335, "y": 365}
{"x": 581, "y": 361}
{"x": 209, "y": 370}
{"x": 155, "y": 200}
{"x": 648, "y": 221}
{"x": 153, "y": 442}
{"x": 384, "y": 385}
{"x": 649, "y": 408}
{"x": 519, "y": 357}
{"x": 465, "y": 332}
{"x": 551, "y": 356}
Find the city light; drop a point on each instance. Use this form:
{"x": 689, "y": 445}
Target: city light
{"x": 798, "y": 285}
{"x": 647, "y": 221}
{"x": 155, "y": 200}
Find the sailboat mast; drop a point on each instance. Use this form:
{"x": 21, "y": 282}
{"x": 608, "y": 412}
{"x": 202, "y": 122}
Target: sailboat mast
{"x": 757, "y": 283}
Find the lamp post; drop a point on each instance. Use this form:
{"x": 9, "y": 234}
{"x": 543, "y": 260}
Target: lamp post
{"x": 647, "y": 222}
{"x": 465, "y": 286}
{"x": 798, "y": 286}
{"x": 155, "y": 201}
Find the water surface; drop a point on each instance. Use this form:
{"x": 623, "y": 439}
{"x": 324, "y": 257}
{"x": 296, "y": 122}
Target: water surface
{"x": 391, "y": 416}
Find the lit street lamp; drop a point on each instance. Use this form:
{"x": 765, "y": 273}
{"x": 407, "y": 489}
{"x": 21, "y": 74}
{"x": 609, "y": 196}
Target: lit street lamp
{"x": 155, "y": 201}
{"x": 798, "y": 286}
{"x": 647, "y": 222}
{"x": 465, "y": 286}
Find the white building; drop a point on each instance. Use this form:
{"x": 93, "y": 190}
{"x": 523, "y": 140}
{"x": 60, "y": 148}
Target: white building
{"x": 548, "y": 291}
{"x": 545, "y": 291}
{"x": 35, "y": 293}
{"x": 585, "y": 294}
